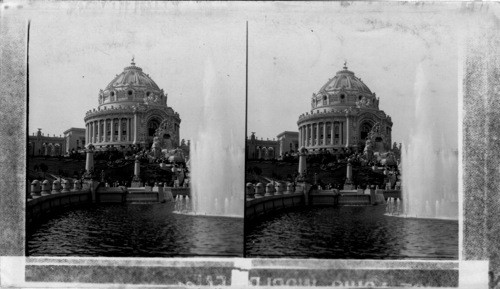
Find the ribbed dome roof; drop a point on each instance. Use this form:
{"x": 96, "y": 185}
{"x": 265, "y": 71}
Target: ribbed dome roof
{"x": 345, "y": 79}
{"x": 132, "y": 76}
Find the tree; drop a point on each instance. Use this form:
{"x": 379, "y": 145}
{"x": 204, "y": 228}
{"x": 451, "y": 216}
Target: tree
{"x": 43, "y": 168}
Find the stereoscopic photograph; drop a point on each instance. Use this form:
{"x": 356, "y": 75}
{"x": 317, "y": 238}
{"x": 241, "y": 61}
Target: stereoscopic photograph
{"x": 353, "y": 145}
{"x": 136, "y": 129}
{"x": 189, "y": 144}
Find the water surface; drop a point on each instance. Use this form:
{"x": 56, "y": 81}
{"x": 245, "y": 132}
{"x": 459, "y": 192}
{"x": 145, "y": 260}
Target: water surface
{"x": 350, "y": 233}
{"x": 135, "y": 230}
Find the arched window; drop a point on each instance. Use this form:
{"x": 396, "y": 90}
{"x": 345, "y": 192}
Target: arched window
{"x": 324, "y": 100}
{"x": 153, "y": 125}
{"x": 124, "y": 127}
{"x": 342, "y": 98}
{"x": 364, "y": 130}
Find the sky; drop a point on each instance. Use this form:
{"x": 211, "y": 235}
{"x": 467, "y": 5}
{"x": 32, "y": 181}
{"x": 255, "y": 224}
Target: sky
{"x": 77, "y": 48}
{"x": 294, "y": 53}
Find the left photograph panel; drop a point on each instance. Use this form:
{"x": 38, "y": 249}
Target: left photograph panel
{"x": 136, "y": 128}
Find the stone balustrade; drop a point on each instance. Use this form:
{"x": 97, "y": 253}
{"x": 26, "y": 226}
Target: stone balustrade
{"x": 261, "y": 199}
{"x": 264, "y": 199}
{"x": 47, "y": 198}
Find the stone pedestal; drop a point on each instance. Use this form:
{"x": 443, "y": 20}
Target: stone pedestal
{"x": 89, "y": 163}
{"x": 65, "y": 186}
{"x": 77, "y": 186}
{"x": 250, "y": 191}
{"x": 35, "y": 189}
{"x": 348, "y": 181}
{"x": 349, "y": 173}
{"x": 259, "y": 190}
{"x": 56, "y": 187}
{"x": 269, "y": 190}
{"x": 302, "y": 161}
{"x": 45, "y": 191}
{"x": 279, "y": 189}
{"x": 137, "y": 171}
{"x": 289, "y": 189}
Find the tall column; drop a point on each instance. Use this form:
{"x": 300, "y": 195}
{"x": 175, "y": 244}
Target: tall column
{"x": 94, "y": 131}
{"x": 332, "y": 132}
{"x": 91, "y": 136}
{"x": 303, "y": 137}
{"x": 104, "y": 130}
{"x": 99, "y": 131}
{"x": 317, "y": 133}
{"x": 112, "y": 134}
{"x": 348, "y": 134}
{"x": 134, "y": 129}
{"x": 119, "y": 129}
{"x": 300, "y": 135}
{"x": 309, "y": 134}
{"x": 324, "y": 133}
{"x": 304, "y": 143}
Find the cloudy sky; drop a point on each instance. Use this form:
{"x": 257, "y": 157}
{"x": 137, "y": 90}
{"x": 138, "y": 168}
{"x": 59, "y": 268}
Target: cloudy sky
{"x": 399, "y": 50}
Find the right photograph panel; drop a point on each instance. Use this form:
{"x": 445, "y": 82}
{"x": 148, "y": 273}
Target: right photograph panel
{"x": 352, "y": 133}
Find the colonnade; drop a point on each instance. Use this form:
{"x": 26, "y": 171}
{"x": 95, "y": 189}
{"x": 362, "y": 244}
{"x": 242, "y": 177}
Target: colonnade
{"x": 45, "y": 149}
{"x": 110, "y": 130}
{"x": 321, "y": 133}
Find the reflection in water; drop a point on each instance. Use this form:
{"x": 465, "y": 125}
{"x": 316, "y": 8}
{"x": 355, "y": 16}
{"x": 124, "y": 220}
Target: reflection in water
{"x": 351, "y": 233}
{"x": 135, "y": 230}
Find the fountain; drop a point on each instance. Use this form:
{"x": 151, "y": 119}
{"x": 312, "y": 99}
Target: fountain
{"x": 217, "y": 156}
{"x": 429, "y": 166}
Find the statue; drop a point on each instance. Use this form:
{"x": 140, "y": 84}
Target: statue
{"x": 168, "y": 146}
{"x": 363, "y": 102}
{"x": 368, "y": 151}
{"x": 156, "y": 147}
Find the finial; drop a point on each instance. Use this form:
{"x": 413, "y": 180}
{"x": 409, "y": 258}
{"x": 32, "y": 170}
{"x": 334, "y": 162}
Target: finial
{"x": 133, "y": 63}
{"x": 345, "y": 64}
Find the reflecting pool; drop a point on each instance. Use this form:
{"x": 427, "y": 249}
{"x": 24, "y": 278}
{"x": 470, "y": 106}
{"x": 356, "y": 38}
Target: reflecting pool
{"x": 350, "y": 233}
{"x": 135, "y": 230}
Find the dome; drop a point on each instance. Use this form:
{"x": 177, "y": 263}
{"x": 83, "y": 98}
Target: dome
{"x": 132, "y": 76}
{"x": 130, "y": 87}
{"x": 345, "y": 79}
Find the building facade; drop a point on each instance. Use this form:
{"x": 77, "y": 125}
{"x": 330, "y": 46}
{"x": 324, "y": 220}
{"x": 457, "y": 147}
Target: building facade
{"x": 288, "y": 142}
{"x": 261, "y": 149}
{"x": 132, "y": 111}
{"x": 45, "y": 145}
{"x": 344, "y": 113}
{"x": 75, "y": 139}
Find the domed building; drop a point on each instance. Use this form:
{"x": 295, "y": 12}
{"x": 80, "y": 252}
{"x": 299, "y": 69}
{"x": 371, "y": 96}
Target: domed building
{"x": 344, "y": 114}
{"x": 132, "y": 111}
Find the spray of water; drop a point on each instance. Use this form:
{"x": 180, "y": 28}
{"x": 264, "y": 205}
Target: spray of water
{"x": 430, "y": 165}
{"x": 217, "y": 157}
